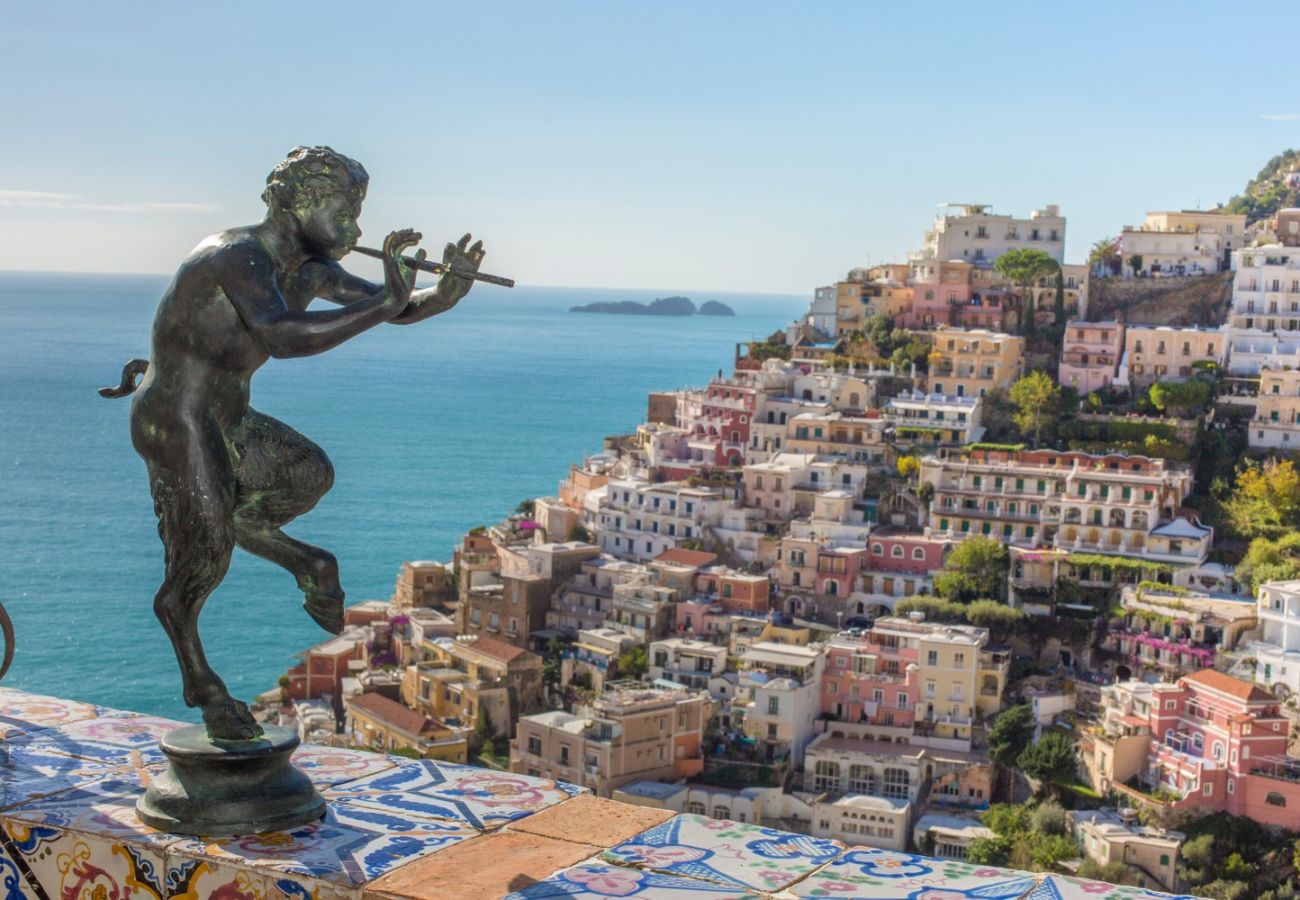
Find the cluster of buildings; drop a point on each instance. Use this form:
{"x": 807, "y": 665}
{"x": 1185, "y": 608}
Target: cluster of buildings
{"x": 703, "y": 616}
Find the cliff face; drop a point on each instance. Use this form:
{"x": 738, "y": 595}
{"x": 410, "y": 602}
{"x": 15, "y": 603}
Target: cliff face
{"x": 1194, "y": 300}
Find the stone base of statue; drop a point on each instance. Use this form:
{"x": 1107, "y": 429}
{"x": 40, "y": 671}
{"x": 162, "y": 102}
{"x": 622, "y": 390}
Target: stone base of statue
{"x": 224, "y": 788}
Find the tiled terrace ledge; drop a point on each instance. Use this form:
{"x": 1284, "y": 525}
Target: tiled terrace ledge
{"x": 397, "y": 829}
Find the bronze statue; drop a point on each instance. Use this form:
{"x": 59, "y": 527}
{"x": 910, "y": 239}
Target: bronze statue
{"x": 222, "y": 474}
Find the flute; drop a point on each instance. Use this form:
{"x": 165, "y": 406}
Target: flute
{"x": 437, "y": 268}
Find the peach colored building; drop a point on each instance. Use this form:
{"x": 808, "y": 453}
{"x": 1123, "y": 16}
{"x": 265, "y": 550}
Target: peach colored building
{"x": 972, "y": 363}
{"x": 1090, "y": 355}
{"x": 1162, "y": 353}
{"x": 1187, "y": 242}
{"x": 1277, "y": 410}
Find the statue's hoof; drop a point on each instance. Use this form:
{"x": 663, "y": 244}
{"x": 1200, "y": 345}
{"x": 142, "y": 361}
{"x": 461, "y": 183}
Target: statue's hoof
{"x": 326, "y": 611}
{"x": 230, "y": 720}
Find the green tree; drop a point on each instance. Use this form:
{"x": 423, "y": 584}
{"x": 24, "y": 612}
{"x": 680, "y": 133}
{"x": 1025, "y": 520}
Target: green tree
{"x": 984, "y": 851}
{"x": 1135, "y": 263}
{"x": 1051, "y": 761}
{"x": 1024, "y": 268}
{"x": 1265, "y": 500}
{"x": 631, "y": 663}
{"x": 975, "y": 569}
{"x": 1181, "y": 398}
{"x": 1114, "y": 872}
{"x": 1037, "y": 399}
{"x": 1269, "y": 560}
{"x": 526, "y": 507}
{"x": 935, "y": 609}
{"x": 1049, "y": 818}
{"x": 484, "y": 729}
{"x": 1010, "y": 734}
{"x": 1105, "y": 254}
{"x": 578, "y": 533}
{"x": 1001, "y": 620}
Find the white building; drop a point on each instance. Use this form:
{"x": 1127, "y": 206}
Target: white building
{"x": 1264, "y": 323}
{"x": 861, "y": 819}
{"x": 970, "y": 233}
{"x": 951, "y": 835}
{"x": 950, "y": 419}
{"x": 1277, "y": 652}
{"x": 686, "y": 661}
{"x": 640, "y": 520}
{"x": 1187, "y": 242}
{"x": 777, "y": 697}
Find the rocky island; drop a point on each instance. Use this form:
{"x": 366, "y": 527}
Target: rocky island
{"x": 663, "y": 306}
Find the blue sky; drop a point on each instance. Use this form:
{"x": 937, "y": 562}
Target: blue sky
{"x": 674, "y": 145}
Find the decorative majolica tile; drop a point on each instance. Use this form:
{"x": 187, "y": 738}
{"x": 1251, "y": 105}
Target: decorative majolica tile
{"x": 20, "y": 711}
{"x": 352, "y": 845}
{"x": 28, "y": 773}
{"x": 1059, "y": 887}
{"x": 14, "y": 881}
{"x": 71, "y": 864}
{"x": 114, "y": 738}
{"x": 482, "y": 798}
{"x": 588, "y": 880}
{"x": 329, "y": 766}
{"x": 724, "y": 852}
{"x": 889, "y": 875}
{"x": 105, "y": 808}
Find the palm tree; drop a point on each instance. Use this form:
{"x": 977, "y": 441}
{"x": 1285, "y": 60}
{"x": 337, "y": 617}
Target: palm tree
{"x": 1105, "y": 254}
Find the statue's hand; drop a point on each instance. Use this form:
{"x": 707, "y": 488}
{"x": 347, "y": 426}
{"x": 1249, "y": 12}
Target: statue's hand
{"x": 399, "y": 278}
{"x": 459, "y": 257}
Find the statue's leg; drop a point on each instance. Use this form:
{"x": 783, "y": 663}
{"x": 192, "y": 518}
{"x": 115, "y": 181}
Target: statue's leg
{"x": 197, "y": 530}
{"x": 279, "y": 476}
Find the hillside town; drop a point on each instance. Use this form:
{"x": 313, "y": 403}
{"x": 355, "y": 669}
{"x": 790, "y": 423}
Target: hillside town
{"x": 963, "y": 561}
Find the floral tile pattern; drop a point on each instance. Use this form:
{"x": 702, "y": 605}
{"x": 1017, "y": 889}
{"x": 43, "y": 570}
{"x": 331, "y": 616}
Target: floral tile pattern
{"x": 105, "y": 808}
{"x": 110, "y": 737}
{"x": 352, "y": 845}
{"x": 724, "y": 852}
{"x": 890, "y": 875}
{"x": 330, "y": 766}
{"x": 1059, "y": 887}
{"x": 482, "y": 798}
{"x": 14, "y": 884}
{"x": 589, "y": 880}
{"x": 70, "y": 864}
{"x": 22, "y": 712}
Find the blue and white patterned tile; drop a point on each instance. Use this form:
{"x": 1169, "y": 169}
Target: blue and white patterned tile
{"x": 23, "y": 712}
{"x": 588, "y": 881}
{"x": 352, "y": 845}
{"x": 28, "y": 773}
{"x": 116, "y": 738}
{"x": 869, "y": 874}
{"x": 104, "y": 808}
{"x": 482, "y": 798}
{"x": 330, "y": 766}
{"x": 724, "y": 852}
{"x": 1060, "y": 887}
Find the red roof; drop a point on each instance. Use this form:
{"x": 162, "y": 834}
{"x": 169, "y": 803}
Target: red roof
{"x": 393, "y": 713}
{"x": 696, "y": 559}
{"x": 496, "y": 649}
{"x": 1226, "y": 684}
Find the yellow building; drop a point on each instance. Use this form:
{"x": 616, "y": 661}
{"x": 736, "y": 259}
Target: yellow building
{"x": 1162, "y": 353}
{"x": 855, "y": 438}
{"x": 970, "y": 363}
{"x": 377, "y": 723}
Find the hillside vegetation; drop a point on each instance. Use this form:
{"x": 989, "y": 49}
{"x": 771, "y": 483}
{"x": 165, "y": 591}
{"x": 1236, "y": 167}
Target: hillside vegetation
{"x": 1267, "y": 193}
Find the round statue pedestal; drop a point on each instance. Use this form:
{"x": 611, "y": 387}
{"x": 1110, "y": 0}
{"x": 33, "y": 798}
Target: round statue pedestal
{"x": 224, "y": 788}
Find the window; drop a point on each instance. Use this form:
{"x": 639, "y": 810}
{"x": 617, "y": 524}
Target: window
{"x": 826, "y": 775}
{"x": 535, "y": 745}
{"x": 721, "y": 812}
{"x": 896, "y": 552}
{"x": 564, "y": 755}
{"x": 773, "y": 706}
{"x": 918, "y": 553}
{"x": 1275, "y": 799}
{"x": 695, "y": 808}
{"x": 932, "y": 658}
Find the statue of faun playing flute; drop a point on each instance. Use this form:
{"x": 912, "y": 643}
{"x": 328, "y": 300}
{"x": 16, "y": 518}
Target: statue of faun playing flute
{"x": 223, "y": 474}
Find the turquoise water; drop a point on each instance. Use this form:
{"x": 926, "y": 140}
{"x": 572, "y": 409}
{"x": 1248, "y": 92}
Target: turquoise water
{"x": 432, "y": 429}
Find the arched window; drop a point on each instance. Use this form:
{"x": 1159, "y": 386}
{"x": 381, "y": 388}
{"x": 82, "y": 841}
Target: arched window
{"x": 826, "y": 775}
{"x": 877, "y": 550}
{"x": 897, "y": 782}
{"x": 896, "y": 551}
{"x": 1275, "y": 799}
{"x": 918, "y": 553}
{"x": 695, "y": 808}
{"x": 721, "y": 812}
{"x": 832, "y": 588}
{"x": 861, "y": 778}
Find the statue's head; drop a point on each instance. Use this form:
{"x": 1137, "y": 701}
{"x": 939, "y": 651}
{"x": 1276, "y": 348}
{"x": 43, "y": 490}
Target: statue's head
{"x": 322, "y": 190}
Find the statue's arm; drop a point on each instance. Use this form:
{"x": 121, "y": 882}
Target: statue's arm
{"x": 248, "y": 279}
{"x": 330, "y": 281}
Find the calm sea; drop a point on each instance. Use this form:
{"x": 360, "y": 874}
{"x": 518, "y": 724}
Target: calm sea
{"x": 432, "y": 428}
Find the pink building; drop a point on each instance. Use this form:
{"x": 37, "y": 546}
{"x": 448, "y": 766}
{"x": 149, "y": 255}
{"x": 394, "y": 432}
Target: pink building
{"x": 721, "y": 431}
{"x": 870, "y": 679}
{"x": 1090, "y": 355}
{"x": 1220, "y": 743}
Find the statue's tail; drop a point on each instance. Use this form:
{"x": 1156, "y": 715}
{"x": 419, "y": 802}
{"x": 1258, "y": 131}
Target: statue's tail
{"x": 127, "y": 386}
